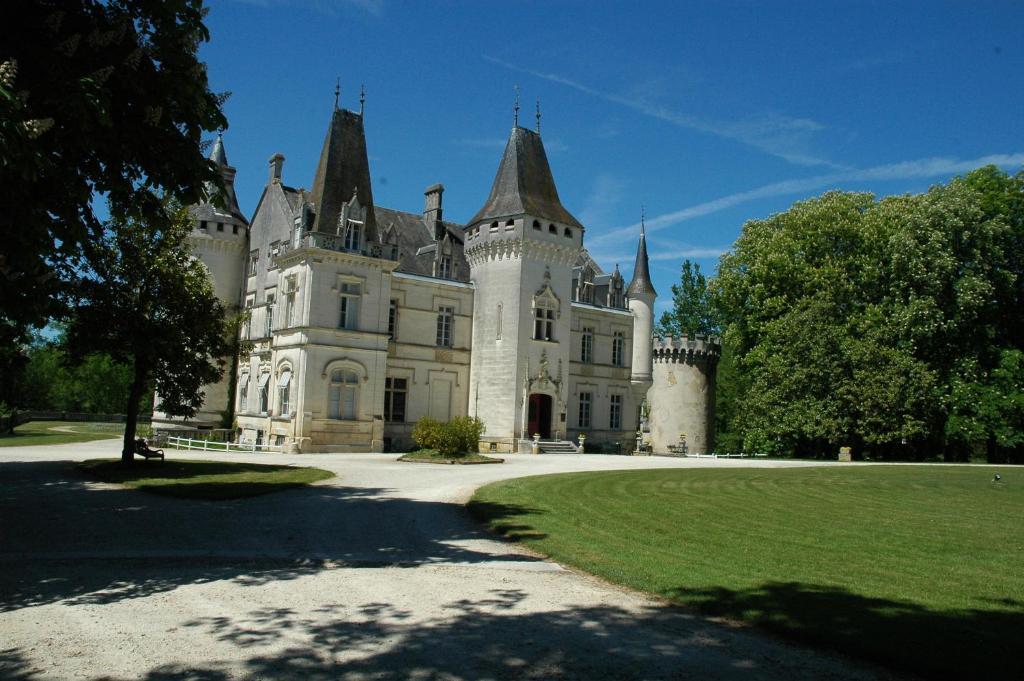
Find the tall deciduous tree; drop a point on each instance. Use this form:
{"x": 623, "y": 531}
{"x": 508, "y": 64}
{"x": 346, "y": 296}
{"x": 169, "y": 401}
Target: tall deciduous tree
{"x": 100, "y": 97}
{"x": 149, "y": 303}
{"x": 692, "y": 310}
{"x": 888, "y": 325}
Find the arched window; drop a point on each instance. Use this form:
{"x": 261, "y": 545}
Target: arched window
{"x": 342, "y": 395}
{"x": 536, "y": 224}
{"x": 553, "y": 229}
{"x": 568, "y": 232}
{"x": 284, "y": 392}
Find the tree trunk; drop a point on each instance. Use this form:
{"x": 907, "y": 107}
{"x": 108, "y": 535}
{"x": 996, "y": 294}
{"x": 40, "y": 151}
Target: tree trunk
{"x": 132, "y": 412}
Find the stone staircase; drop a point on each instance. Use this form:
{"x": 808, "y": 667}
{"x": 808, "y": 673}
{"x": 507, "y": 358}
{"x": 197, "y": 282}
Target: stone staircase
{"x": 557, "y": 447}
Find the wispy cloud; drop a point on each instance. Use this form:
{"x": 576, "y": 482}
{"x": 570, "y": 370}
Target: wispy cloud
{"x": 778, "y": 135}
{"x": 906, "y": 170}
{"x": 605, "y": 194}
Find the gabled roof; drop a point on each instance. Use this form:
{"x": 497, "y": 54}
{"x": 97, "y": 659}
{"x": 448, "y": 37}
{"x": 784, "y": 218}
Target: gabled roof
{"x": 641, "y": 283}
{"x": 416, "y": 242}
{"x": 342, "y": 171}
{"x": 524, "y": 184}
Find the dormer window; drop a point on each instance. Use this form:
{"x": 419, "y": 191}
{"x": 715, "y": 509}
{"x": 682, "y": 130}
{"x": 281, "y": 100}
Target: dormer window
{"x": 444, "y": 270}
{"x": 353, "y": 236}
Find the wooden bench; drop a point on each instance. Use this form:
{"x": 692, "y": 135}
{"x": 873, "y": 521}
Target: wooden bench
{"x": 143, "y": 450}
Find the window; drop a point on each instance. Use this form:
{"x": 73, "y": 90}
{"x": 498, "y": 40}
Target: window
{"x": 445, "y": 269}
{"x": 510, "y": 223}
{"x": 615, "y": 413}
{"x": 284, "y": 392}
{"x": 341, "y": 395}
{"x": 254, "y": 261}
{"x": 618, "y": 347}
{"x": 234, "y": 228}
{"x": 536, "y": 224}
{"x": 393, "y": 319}
{"x": 353, "y": 236}
{"x": 494, "y": 226}
{"x": 568, "y": 232}
{"x": 202, "y": 225}
{"x": 243, "y": 393}
{"x": 553, "y": 229}
{"x": 587, "y": 345}
{"x": 585, "y": 402}
{"x": 264, "y": 393}
{"x": 445, "y": 321}
{"x": 269, "y": 316}
{"x": 291, "y": 312}
{"x": 395, "y": 390}
{"x": 348, "y": 317}
{"x": 543, "y": 322}
{"x": 220, "y": 226}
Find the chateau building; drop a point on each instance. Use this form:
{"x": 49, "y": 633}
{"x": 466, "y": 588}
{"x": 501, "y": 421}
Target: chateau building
{"x": 363, "y": 319}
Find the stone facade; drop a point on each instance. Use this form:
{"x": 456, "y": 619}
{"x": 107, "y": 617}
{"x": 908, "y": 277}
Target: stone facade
{"x": 363, "y": 319}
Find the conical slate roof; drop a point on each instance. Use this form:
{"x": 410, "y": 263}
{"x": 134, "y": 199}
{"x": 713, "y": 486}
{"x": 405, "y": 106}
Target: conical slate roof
{"x": 641, "y": 283}
{"x": 524, "y": 184}
{"x": 342, "y": 171}
{"x": 219, "y": 156}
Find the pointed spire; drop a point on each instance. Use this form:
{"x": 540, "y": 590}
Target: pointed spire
{"x": 538, "y": 115}
{"x": 337, "y": 93}
{"x": 342, "y": 173}
{"x": 641, "y": 284}
{"x": 218, "y": 154}
{"x": 515, "y": 110}
{"x": 362, "y": 97}
{"x": 524, "y": 185}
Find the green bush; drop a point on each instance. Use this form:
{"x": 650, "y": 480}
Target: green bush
{"x": 456, "y": 438}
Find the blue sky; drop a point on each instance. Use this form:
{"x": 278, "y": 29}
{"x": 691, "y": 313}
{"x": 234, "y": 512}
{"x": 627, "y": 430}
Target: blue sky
{"x": 707, "y": 114}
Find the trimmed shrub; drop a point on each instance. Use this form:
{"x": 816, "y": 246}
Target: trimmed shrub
{"x": 456, "y": 438}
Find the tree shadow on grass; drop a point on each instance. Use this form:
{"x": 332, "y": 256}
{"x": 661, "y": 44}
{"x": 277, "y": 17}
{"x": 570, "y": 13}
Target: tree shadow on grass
{"x": 968, "y": 644}
{"x": 66, "y": 539}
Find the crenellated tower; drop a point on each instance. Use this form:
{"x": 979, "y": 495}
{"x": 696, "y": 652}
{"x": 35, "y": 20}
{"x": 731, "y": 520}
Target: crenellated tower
{"x": 682, "y": 394}
{"x": 521, "y": 247}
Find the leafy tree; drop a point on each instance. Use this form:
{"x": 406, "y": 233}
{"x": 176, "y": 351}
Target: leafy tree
{"x": 97, "y": 97}
{"x": 149, "y": 303}
{"x": 879, "y": 324}
{"x": 693, "y": 311}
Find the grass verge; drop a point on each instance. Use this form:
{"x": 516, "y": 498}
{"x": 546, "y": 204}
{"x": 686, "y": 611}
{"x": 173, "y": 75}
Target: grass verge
{"x": 433, "y": 456}
{"x": 203, "y": 479}
{"x": 915, "y": 568}
{"x": 62, "y": 432}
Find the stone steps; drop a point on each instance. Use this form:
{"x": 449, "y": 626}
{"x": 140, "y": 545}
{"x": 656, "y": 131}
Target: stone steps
{"x": 557, "y": 447}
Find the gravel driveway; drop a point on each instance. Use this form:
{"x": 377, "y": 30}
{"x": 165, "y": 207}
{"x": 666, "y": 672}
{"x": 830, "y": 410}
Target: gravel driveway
{"x": 376, "y": 574}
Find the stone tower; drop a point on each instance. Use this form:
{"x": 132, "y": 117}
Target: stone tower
{"x": 682, "y": 396}
{"x": 521, "y": 247}
{"x": 220, "y": 240}
{"x": 641, "y": 295}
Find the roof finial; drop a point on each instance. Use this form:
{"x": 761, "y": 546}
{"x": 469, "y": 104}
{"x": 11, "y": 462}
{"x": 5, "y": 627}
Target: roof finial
{"x": 362, "y": 97}
{"x": 515, "y": 109}
{"x": 642, "y": 217}
{"x": 538, "y": 115}
{"x": 337, "y": 93}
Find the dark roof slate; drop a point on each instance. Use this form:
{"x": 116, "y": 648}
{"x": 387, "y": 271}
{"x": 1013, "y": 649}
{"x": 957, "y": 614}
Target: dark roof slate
{"x": 523, "y": 184}
{"x": 342, "y": 170}
{"x": 641, "y": 283}
{"x": 414, "y": 236}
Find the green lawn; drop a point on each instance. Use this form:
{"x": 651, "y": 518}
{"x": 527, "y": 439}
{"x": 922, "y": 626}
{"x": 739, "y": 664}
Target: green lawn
{"x": 917, "y": 568}
{"x": 56, "y": 433}
{"x": 203, "y": 479}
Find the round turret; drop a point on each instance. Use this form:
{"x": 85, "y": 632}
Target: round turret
{"x": 682, "y": 395}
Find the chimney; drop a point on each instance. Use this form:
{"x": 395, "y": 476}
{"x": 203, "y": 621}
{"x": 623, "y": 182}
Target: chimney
{"x": 432, "y": 204}
{"x": 276, "y": 163}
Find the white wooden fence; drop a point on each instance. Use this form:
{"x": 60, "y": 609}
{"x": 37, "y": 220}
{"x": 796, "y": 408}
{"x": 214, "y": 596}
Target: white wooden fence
{"x": 213, "y": 446}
